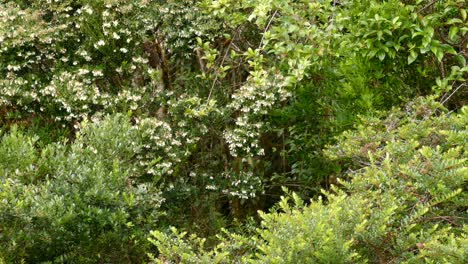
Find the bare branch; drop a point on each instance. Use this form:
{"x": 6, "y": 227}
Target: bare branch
{"x": 454, "y": 91}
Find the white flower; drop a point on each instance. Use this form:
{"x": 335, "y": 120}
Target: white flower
{"x": 100, "y": 43}
{"x": 83, "y": 71}
{"x": 88, "y": 10}
{"x": 123, "y": 50}
{"x": 97, "y": 73}
{"x": 115, "y": 36}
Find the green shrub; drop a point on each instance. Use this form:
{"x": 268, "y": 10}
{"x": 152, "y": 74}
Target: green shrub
{"x": 402, "y": 199}
{"x": 91, "y": 201}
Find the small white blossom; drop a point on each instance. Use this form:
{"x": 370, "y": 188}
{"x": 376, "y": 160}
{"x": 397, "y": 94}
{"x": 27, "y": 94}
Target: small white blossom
{"x": 100, "y": 43}
{"x": 97, "y": 73}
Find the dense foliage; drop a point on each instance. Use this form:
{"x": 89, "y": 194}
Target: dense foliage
{"x": 121, "y": 117}
{"x": 401, "y": 201}
{"x": 88, "y": 201}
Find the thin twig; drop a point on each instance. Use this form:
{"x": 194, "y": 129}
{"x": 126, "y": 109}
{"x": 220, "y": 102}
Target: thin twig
{"x": 454, "y": 91}
{"x": 222, "y": 62}
{"x": 331, "y": 19}
{"x": 267, "y": 27}
{"x": 427, "y": 6}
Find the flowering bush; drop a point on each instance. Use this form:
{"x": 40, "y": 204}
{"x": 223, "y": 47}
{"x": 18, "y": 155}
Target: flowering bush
{"x": 219, "y": 103}
{"x": 65, "y": 60}
{"x": 92, "y": 200}
{"x": 402, "y": 200}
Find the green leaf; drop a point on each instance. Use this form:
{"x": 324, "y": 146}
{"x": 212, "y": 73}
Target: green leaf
{"x": 412, "y": 57}
{"x": 463, "y": 13}
{"x": 379, "y": 35}
{"x": 430, "y": 32}
{"x": 371, "y": 53}
{"x": 453, "y": 32}
{"x": 381, "y": 55}
{"x": 461, "y": 59}
{"x": 415, "y": 34}
{"x": 434, "y": 49}
{"x": 450, "y": 50}
{"x": 454, "y": 21}
{"x": 425, "y": 49}
{"x": 439, "y": 54}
